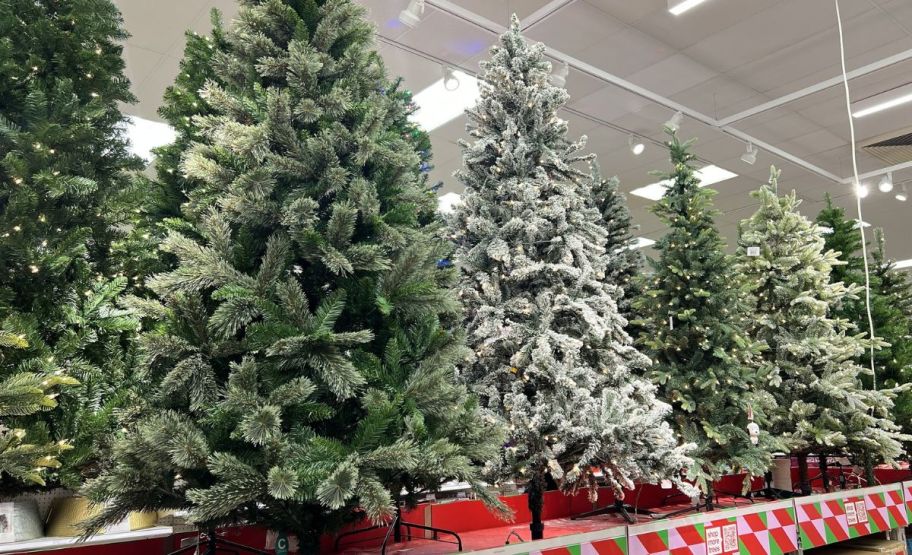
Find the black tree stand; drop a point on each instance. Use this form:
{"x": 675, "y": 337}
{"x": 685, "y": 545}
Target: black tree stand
{"x": 211, "y": 544}
{"x": 395, "y": 530}
{"x": 536, "y": 493}
{"x": 707, "y": 505}
{"x": 617, "y": 508}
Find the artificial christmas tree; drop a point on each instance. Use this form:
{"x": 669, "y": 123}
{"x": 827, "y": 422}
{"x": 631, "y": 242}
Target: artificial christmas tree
{"x": 890, "y": 305}
{"x": 822, "y": 407}
{"x": 305, "y": 356}
{"x": 625, "y": 260}
{"x": 693, "y": 319}
{"x": 64, "y": 184}
{"x": 551, "y": 354}
{"x": 20, "y": 395}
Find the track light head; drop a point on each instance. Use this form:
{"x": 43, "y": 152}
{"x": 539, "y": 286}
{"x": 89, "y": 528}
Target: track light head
{"x": 886, "y": 183}
{"x": 411, "y": 16}
{"x": 636, "y": 145}
{"x": 862, "y": 190}
{"x": 559, "y": 77}
{"x": 902, "y": 195}
{"x": 674, "y": 123}
{"x": 450, "y": 81}
{"x": 750, "y": 155}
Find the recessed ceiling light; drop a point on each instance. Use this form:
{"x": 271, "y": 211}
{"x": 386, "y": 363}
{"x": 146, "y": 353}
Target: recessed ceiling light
{"x": 636, "y": 145}
{"x": 900, "y": 264}
{"x": 708, "y": 175}
{"x": 437, "y": 105}
{"x": 677, "y": 7}
{"x": 446, "y": 204}
{"x": 145, "y": 135}
{"x": 883, "y": 101}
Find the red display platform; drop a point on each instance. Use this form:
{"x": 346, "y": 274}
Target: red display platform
{"x": 738, "y": 526}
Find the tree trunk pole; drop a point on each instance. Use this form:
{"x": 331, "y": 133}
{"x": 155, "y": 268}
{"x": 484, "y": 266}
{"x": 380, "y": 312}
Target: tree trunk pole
{"x": 823, "y": 473}
{"x": 536, "y": 493}
{"x": 804, "y": 481}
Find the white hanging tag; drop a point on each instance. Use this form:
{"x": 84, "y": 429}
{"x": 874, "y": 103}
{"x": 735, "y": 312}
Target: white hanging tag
{"x": 753, "y": 251}
{"x": 671, "y": 323}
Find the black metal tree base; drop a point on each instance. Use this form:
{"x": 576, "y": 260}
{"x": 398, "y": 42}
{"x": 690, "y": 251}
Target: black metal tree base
{"x": 395, "y": 530}
{"x": 211, "y": 543}
{"x": 617, "y": 508}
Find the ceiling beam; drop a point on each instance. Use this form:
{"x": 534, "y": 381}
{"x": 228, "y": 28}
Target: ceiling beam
{"x": 476, "y": 20}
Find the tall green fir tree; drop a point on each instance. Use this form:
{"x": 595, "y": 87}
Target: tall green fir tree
{"x": 306, "y": 355}
{"x": 822, "y": 406}
{"x": 551, "y": 353}
{"x": 625, "y": 261}
{"x": 889, "y": 309}
{"x": 65, "y": 189}
{"x": 693, "y": 327}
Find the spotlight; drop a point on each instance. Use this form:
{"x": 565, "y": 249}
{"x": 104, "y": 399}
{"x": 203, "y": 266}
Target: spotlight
{"x": 675, "y": 122}
{"x": 411, "y": 16}
{"x": 559, "y": 77}
{"x": 861, "y": 190}
{"x": 902, "y": 196}
{"x": 636, "y": 146}
{"x": 886, "y": 183}
{"x": 750, "y": 156}
{"x": 450, "y": 81}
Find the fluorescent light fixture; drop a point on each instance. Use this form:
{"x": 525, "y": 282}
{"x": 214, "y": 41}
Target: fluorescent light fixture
{"x": 900, "y": 264}
{"x": 437, "y": 105}
{"x": 677, "y": 7}
{"x": 144, "y": 135}
{"x": 642, "y": 242}
{"x": 708, "y": 175}
{"x": 883, "y": 101}
{"x": 447, "y": 202}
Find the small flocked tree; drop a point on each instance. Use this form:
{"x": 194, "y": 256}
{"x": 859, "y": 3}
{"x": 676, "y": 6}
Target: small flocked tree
{"x": 822, "y": 407}
{"x": 305, "y": 359}
{"x": 551, "y": 354}
{"x": 625, "y": 261}
{"x": 693, "y": 327}
{"x": 64, "y": 184}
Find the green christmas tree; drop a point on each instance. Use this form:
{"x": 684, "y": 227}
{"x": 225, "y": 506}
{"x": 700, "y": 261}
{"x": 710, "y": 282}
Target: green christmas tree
{"x": 693, "y": 327}
{"x": 551, "y": 353}
{"x": 822, "y": 407}
{"x": 889, "y": 308}
{"x": 21, "y": 395}
{"x": 64, "y": 192}
{"x": 307, "y": 346}
{"x": 626, "y": 261}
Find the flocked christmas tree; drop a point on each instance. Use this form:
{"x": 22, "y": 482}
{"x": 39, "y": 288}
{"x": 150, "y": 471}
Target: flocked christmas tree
{"x": 889, "y": 309}
{"x": 64, "y": 184}
{"x": 822, "y": 407}
{"x": 625, "y": 260}
{"x": 551, "y": 354}
{"x": 306, "y": 355}
{"x": 693, "y": 327}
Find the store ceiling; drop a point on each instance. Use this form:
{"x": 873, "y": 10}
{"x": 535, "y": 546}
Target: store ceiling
{"x": 719, "y": 59}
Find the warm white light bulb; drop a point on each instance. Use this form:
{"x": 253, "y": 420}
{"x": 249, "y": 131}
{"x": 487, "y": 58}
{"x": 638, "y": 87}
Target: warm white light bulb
{"x": 861, "y": 190}
{"x": 886, "y": 183}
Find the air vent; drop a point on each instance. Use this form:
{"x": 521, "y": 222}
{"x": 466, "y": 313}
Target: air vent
{"x": 895, "y": 149}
